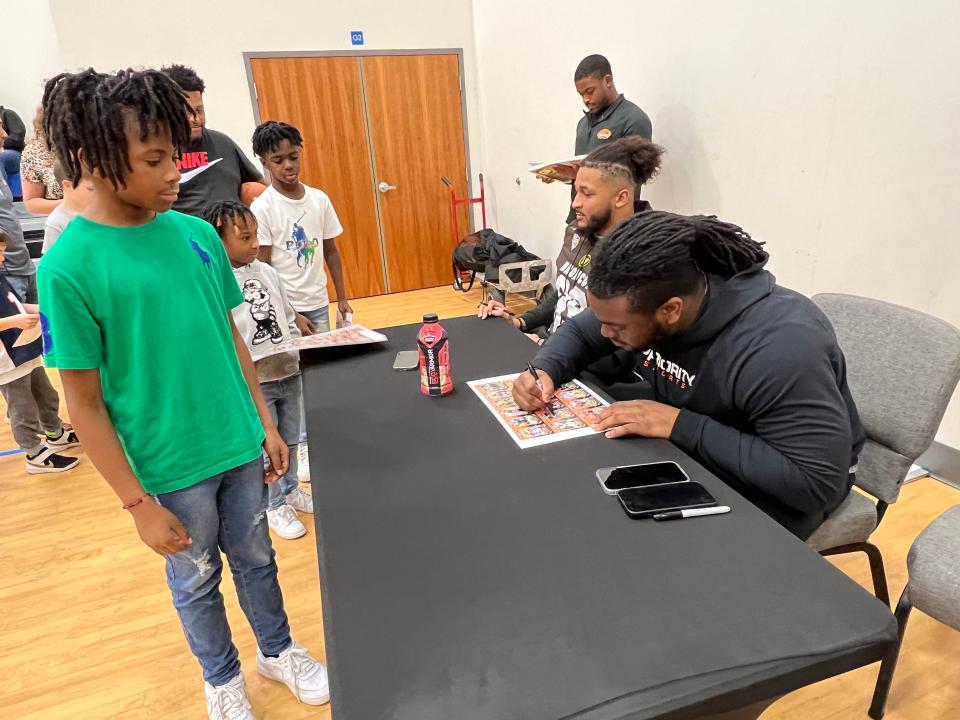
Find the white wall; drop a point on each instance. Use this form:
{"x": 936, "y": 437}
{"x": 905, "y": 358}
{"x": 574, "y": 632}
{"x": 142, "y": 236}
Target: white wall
{"x": 30, "y": 55}
{"x": 211, "y": 35}
{"x": 829, "y": 130}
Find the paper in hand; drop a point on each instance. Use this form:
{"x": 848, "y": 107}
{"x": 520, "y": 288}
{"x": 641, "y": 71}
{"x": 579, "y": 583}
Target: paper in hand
{"x": 30, "y": 334}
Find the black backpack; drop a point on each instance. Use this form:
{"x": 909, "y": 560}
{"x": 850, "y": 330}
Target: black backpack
{"x": 484, "y": 251}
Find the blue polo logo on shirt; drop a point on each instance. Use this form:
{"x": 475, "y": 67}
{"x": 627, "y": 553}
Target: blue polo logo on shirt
{"x": 204, "y": 257}
{"x": 304, "y": 247}
{"x": 45, "y": 334}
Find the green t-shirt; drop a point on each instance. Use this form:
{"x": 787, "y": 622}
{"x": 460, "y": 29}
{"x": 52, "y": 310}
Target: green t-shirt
{"x": 148, "y": 307}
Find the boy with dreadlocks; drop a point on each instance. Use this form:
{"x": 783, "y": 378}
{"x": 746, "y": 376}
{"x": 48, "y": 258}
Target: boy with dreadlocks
{"x": 747, "y": 376}
{"x": 265, "y": 319}
{"x": 135, "y": 305}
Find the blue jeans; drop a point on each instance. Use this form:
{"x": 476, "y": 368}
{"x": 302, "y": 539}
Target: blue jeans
{"x": 285, "y": 400}
{"x": 321, "y": 318}
{"x": 25, "y": 286}
{"x": 226, "y": 512}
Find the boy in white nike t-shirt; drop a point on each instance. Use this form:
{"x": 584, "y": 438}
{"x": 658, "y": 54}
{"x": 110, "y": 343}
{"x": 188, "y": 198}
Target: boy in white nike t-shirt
{"x": 297, "y": 228}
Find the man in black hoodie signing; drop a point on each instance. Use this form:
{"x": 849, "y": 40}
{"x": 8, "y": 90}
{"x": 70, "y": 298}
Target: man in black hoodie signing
{"x": 747, "y": 376}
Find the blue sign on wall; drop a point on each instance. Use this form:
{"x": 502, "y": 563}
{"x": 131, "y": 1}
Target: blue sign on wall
{"x": 356, "y": 37}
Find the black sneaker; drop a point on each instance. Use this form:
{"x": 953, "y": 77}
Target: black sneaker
{"x": 47, "y": 461}
{"x": 68, "y": 439}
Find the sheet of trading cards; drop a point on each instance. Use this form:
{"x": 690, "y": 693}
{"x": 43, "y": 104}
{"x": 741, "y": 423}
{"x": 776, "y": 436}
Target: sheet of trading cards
{"x": 573, "y": 408}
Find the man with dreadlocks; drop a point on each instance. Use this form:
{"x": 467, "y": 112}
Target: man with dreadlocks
{"x": 135, "y": 308}
{"x": 747, "y": 376}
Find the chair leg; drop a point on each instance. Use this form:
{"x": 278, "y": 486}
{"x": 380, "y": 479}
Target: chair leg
{"x": 889, "y": 664}
{"x": 876, "y": 570}
{"x": 876, "y": 566}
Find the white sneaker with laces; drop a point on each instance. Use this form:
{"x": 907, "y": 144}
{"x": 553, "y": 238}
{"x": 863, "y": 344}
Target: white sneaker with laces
{"x": 228, "y": 701}
{"x": 299, "y": 671}
{"x": 303, "y": 464}
{"x": 300, "y": 500}
{"x": 285, "y": 523}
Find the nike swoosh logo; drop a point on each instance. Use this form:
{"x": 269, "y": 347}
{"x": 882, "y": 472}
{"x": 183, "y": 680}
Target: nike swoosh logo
{"x": 191, "y": 174}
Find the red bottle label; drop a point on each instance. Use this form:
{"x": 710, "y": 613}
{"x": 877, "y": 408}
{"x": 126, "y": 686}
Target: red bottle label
{"x": 434, "y": 347}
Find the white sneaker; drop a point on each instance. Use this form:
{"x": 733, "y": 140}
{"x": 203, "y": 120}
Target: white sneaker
{"x": 47, "y": 461}
{"x": 300, "y": 500}
{"x": 303, "y": 464}
{"x": 285, "y": 523}
{"x": 229, "y": 701}
{"x": 68, "y": 438}
{"x": 295, "y": 668}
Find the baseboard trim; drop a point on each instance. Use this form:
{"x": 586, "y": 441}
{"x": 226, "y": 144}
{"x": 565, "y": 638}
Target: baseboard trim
{"x": 943, "y": 463}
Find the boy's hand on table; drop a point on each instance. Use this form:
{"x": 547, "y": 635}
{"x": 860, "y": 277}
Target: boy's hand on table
{"x": 345, "y": 314}
{"x": 160, "y": 529}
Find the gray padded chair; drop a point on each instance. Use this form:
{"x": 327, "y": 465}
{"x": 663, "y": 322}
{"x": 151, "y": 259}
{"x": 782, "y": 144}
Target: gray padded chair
{"x": 902, "y": 368}
{"x": 934, "y": 588}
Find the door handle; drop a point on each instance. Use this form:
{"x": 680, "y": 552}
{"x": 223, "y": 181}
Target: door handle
{"x": 386, "y": 187}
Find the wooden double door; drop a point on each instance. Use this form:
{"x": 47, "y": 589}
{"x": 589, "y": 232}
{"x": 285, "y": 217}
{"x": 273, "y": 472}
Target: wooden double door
{"x": 379, "y": 132}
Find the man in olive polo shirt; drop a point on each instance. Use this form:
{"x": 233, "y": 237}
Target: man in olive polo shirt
{"x": 609, "y": 115}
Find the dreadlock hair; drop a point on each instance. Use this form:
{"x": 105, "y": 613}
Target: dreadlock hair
{"x": 592, "y": 66}
{"x": 222, "y": 213}
{"x": 91, "y": 112}
{"x": 657, "y": 255}
{"x": 634, "y": 158}
{"x": 271, "y": 133}
{"x": 185, "y": 77}
{"x": 59, "y": 172}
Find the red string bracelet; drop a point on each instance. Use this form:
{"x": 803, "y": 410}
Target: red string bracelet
{"x": 136, "y": 502}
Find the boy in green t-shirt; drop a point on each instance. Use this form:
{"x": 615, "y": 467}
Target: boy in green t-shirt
{"x": 136, "y": 313}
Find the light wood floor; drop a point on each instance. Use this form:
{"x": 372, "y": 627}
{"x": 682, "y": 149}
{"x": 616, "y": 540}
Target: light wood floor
{"x": 87, "y": 629}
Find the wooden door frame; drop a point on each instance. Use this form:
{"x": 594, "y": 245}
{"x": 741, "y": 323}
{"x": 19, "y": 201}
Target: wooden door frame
{"x": 261, "y": 54}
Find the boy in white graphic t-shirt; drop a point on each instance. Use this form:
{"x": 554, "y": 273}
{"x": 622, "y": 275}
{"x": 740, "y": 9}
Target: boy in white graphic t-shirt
{"x": 297, "y": 227}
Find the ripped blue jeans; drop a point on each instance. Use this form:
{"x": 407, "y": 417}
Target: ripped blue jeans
{"x": 226, "y": 512}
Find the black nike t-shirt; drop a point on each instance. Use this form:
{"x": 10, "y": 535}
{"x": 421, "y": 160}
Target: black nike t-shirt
{"x": 211, "y": 169}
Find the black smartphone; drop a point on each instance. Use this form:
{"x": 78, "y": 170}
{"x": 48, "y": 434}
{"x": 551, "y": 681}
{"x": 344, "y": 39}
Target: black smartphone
{"x": 615, "y": 479}
{"x": 647, "y": 501}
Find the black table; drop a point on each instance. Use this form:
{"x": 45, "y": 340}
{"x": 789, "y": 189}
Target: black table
{"x": 465, "y": 578}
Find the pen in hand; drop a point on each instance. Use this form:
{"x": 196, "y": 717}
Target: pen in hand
{"x": 536, "y": 379}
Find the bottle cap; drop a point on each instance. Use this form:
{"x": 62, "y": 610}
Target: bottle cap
{"x": 430, "y": 318}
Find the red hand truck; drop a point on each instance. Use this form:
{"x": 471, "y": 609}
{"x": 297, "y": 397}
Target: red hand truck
{"x": 463, "y": 279}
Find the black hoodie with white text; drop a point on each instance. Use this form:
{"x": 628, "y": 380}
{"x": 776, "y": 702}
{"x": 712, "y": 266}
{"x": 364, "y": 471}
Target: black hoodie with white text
{"x": 762, "y": 389}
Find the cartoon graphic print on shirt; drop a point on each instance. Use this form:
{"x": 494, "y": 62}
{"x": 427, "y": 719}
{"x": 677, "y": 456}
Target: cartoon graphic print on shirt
{"x": 204, "y": 257}
{"x": 262, "y": 312}
{"x": 305, "y": 248}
